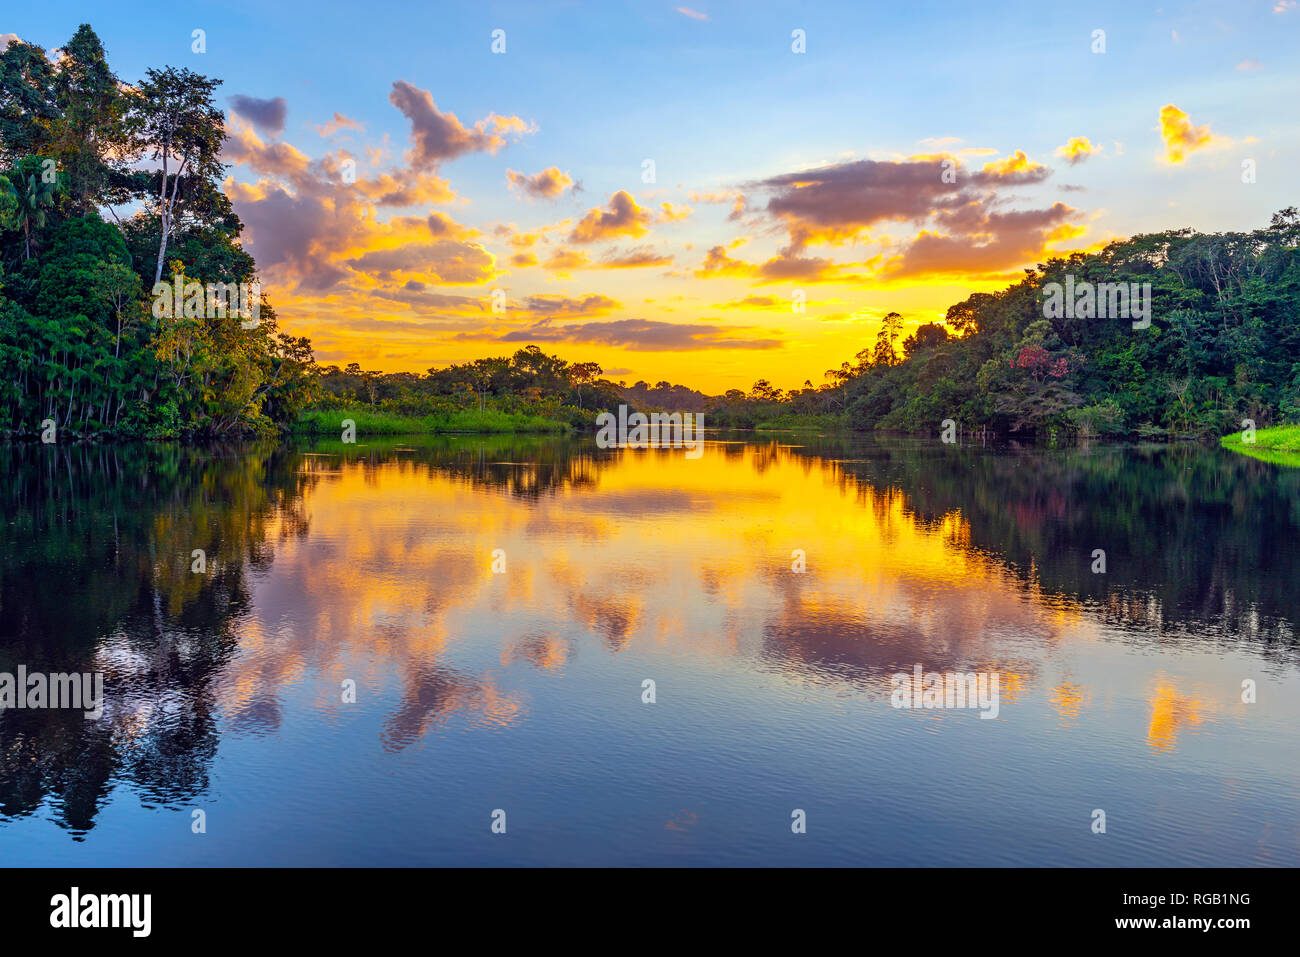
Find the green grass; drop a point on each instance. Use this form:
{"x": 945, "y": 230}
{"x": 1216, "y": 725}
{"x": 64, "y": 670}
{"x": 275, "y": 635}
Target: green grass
{"x": 330, "y": 422}
{"x": 801, "y": 423}
{"x": 1279, "y": 444}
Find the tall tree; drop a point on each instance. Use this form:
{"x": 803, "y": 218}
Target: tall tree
{"x": 27, "y": 102}
{"x": 173, "y": 116}
{"x": 584, "y": 373}
{"x": 89, "y": 138}
{"x": 891, "y": 330}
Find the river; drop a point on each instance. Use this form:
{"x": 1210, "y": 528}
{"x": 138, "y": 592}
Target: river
{"x": 393, "y": 651}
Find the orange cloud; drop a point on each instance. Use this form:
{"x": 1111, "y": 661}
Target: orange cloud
{"x": 444, "y": 261}
{"x": 548, "y": 184}
{"x": 640, "y": 256}
{"x": 340, "y": 122}
{"x": 623, "y": 218}
{"x": 717, "y": 263}
{"x": 982, "y": 242}
{"x": 1016, "y": 163}
{"x": 312, "y": 228}
{"x": 836, "y": 203}
{"x": 749, "y": 302}
{"x": 1180, "y": 136}
{"x": 1077, "y": 149}
{"x": 405, "y": 188}
{"x": 444, "y": 227}
{"x": 696, "y": 196}
{"x": 674, "y": 214}
{"x": 562, "y": 307}
{"x": 786, "y": 266}
{"x": 562, "y": 261}
{"x": 244, "y": 147}
{"x": 638, "y": 335}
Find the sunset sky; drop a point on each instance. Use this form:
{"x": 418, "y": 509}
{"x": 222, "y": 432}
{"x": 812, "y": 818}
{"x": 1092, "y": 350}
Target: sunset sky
{"x": 775, "y": 173}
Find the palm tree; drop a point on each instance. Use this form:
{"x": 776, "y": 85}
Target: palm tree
{"x": 32, "y": 200}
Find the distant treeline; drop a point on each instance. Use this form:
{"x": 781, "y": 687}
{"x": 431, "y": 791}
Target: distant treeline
{"x": 528, "y": 382}
{"x": 1215, "y": 340}
{"x": 1223, "y": 345}
{"x": 81, "y": 349}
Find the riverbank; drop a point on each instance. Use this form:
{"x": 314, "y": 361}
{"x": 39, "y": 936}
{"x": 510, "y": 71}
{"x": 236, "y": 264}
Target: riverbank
{"x": 803, "y": 423}
{"x": 367, "y": 422}
{"x": 1279, "y": 444}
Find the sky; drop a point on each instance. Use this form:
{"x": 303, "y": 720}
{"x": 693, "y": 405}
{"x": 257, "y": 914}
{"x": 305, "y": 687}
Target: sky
{"x": 706, "y": 194}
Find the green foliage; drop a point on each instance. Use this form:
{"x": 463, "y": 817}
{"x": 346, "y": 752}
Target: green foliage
{"x": 79, "y": 343}
{"x": 529, "y": 383}
{"x": 1102, "y": 418}
{"x": 323, "y": 422}
{"x": 1221, "y": 346}
{"x": 1279, "y": 445}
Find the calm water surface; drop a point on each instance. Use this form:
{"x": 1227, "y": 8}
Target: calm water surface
{"x": 522, "y": 691}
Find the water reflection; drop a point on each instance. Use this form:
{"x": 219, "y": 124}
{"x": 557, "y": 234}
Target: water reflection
{"x": 330, "y": 564}
{"x": 96, "y": 556}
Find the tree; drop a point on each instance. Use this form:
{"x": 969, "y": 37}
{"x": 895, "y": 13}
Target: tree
{"x": 965, "y": 317}
{"x": 890, "y": 330}
{"x": 926, "y": 337}
{"x": 118, "y": 285}
{"x": 584, "y": 373}
{"x": 27, "y": 105}
{"x": 9, "y": 207}
{"x": 172, "y": 115}
{"x": 89, "y": 141}
{"x": 34, "y": 194}
{"x": 78, "y": 342}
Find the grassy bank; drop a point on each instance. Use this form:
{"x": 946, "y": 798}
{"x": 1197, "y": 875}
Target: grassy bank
{"x": 330, "y": 422}
{"x": 802, "y": 423}
{"x": 1279, "y": 444}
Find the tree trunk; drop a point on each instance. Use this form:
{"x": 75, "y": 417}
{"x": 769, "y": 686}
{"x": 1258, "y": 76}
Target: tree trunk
{"x": 168, "y": 207}
{"x": 162, "y": 212}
